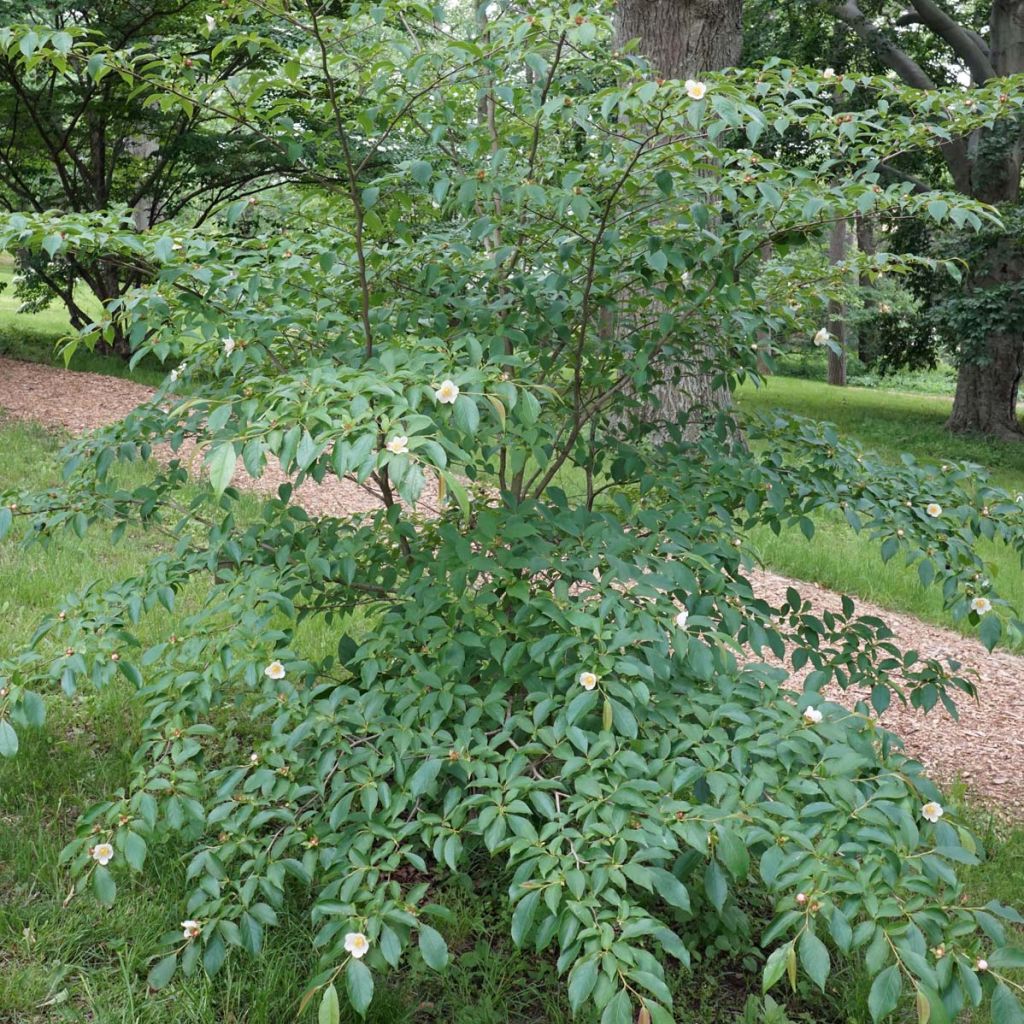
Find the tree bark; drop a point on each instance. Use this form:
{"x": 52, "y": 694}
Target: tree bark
{"x": 837, "y": 247}
{"x": 987, "y": 387}
{"x": 683, "y": 39}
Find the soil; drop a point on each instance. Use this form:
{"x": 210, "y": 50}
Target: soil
{"x": 984, "y": 749}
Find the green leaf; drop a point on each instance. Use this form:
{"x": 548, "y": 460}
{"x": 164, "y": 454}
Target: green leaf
{"x": 1005, "y": 1007}
{"x": 359, "y": 983}
{"x": 104, "y": 886}
{"x": 433, "y": 947}
{"x": 467, "y": 415}
{"x": 581, "y": 983}
{"x": 162, "y": 972}
{"x": 6, "y": 519}
{"x": 619, "y": 1010}
{"x": 885, "y": 993}
{"x": 814, "y": 958}
{"x": 8, "y": 739}
{"x": 425, "y": 776}
{"x": 420, "y": 171}
{"x": 732, "y": 852}
{"x": 522, "y": 916}
{"x": 134, "y": 850}
{"x": 330, "y": 1008}
{"x": 775, "y": 967}
{"x": 221, "y": 466}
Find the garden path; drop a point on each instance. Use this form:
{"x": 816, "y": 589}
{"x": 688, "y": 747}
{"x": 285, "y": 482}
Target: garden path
{"x": 984, "y": 750}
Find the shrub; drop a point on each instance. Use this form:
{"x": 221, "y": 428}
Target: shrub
{"x": 517, "y": 236}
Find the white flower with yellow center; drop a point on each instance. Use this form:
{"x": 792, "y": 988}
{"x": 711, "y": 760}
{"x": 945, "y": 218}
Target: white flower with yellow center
{"x": 932, "y": 811}
{"x": 102, "y": 853}
{"x": 822, "y": 337}
{"x": 934, "y": 509}
{"x": 275, "y": 670}
{"x": 229, "y": 346}
{"x": 191, "y": 929}
{"x": 981, "y": 605}
{"x": 696, "y": 90}
{"x": 682, "y": 618}
{"x": 357, "y": 944}
{"x": 398, "y": 445}
{"x": 812, "y": 715}
{"x": 587, "y": 680}
{"x": 447, "y": 392}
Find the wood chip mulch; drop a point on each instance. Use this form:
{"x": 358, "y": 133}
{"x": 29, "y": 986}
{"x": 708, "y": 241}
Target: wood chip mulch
{"x": 984, "y": 750}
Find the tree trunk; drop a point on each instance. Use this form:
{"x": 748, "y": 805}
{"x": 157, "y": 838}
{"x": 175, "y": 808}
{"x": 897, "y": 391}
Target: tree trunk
{"x": 866, "y": 244}
{"x": 837, "y": 245}
{"x": 682, "y": 39}
{"x": 987, "y": 388}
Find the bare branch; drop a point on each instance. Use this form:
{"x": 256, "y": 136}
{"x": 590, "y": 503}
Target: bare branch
{"x": 959, "y": 39}
{"x": 899, "y": 60}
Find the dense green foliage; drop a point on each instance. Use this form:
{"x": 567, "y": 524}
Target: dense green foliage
{"x": 562, "y": 668}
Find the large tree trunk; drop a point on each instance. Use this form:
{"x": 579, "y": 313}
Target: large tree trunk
{"x": 987, "y": 388}
{"x": 837, "y": 245}
{"x": 682, "y": 39}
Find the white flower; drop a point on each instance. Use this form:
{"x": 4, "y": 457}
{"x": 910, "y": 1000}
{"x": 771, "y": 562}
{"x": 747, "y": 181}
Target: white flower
{"x": 254, "y": 758}
{"x": 932, "y": 811}
{"x": 801, "y": 898}
{"x": 686, "y": 279}
{"x": 398, "y": 445}
{"x": 884, "y": 307}
{"x": 829, "y": 73}
{"x": 102, "y": 853}
{"x": 981, "y": 605}
{"x": 211, "y": 22}
{"x": 275, "y": 670}
{"x": 357, "y": 944}
{"x": 587, "y": 680}
{"x": 191, "y": 929}
{"x": 695, "y": 90}
{"x": 812, "y": 715}
{"x": 447, "y": 392}
{"x": 982, "y": 965}
{"x": 682, "y": 618}
{"x": 821, "y": 338}
{"x": 934, "y": 509}
{"x": 229, "y": 346}
{"x": 178, "y": 371}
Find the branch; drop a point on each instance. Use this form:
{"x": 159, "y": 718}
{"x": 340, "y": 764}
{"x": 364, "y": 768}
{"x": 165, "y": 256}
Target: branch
{"x": 911, "y": 72}
{"x": 959, "y": 39}
{"x": 899, "y": 60}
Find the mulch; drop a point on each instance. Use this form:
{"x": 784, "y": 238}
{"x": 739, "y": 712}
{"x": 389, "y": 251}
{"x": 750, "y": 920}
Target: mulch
{"x": 984, "y": 749}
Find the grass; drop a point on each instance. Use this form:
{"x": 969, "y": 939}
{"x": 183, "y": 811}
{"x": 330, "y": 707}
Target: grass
{"x": 889, "y": 424}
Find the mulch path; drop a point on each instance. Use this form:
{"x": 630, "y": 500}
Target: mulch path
{"x": 985, "y": 749}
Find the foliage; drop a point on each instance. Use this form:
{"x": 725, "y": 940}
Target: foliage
{"x": 511, "y": 677}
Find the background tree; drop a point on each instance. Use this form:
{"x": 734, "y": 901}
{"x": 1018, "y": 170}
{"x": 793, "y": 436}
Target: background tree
{"x": 978, "y": 43}
{"x": 80, "y": 139}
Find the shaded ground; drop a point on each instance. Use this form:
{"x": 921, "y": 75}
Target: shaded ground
{"x": 985, "y": 749}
